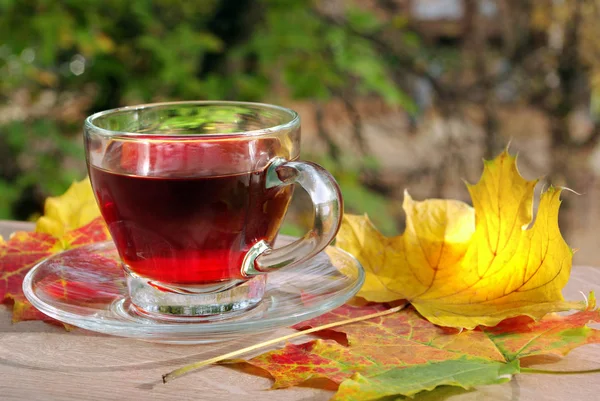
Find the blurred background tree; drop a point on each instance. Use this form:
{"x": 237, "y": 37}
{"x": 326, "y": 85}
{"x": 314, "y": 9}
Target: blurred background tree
{"x": 62, "y": 60}
{"x": 394, "y": 94}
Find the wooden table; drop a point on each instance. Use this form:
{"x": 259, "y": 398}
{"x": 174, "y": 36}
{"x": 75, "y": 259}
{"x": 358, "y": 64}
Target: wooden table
{"x": 43, "y": 362}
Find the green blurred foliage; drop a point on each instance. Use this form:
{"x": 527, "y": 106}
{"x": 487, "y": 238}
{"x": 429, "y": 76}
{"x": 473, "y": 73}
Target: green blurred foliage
{"x": 359, "y": 199}
{"x": 125, "y": 52}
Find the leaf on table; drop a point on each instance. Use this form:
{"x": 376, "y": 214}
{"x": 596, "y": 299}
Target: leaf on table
{"x": 461, "y": 266}
{"x": 70, "y": 220}
{"x": 403, "y": 354}
{"x": 17, "y": 255}
{"x": 25, "y": 249}
{"x": 73, "y": 209}
{"x": 94, "y": 231}
{"x": 553, "y": 335}
{"x": 463, "y": 373}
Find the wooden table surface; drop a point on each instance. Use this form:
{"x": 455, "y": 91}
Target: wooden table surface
{"x": 39, "y": 361}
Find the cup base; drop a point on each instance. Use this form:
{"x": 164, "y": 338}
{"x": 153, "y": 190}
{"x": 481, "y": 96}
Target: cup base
{"x": 162, "y": 301}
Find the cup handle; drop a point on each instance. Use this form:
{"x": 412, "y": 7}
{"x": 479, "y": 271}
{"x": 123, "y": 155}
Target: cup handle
{"x": 328, "y": 206}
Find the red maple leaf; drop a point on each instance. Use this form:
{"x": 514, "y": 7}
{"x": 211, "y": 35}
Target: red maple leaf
{"x": 25, "y": 249}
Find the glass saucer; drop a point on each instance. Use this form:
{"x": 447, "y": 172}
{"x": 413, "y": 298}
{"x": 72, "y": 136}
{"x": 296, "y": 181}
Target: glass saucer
{"x": 86, "y": 287}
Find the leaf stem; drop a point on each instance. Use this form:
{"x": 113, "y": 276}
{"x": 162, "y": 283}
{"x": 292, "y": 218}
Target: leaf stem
{"x": 556, "y": 372}
{"x": 197, "y": 365}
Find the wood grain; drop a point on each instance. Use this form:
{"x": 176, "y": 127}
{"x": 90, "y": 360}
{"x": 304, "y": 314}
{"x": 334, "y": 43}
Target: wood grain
{"x": 43, "y": 362}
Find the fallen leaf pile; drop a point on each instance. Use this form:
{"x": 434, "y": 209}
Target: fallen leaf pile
{"x": 483, "y": 283}
{"x": 403, "y": 354}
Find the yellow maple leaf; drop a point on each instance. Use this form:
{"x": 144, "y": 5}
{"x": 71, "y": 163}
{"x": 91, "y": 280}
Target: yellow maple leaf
{"x": 71, "y": 210}
{"x": 463, "y": 266}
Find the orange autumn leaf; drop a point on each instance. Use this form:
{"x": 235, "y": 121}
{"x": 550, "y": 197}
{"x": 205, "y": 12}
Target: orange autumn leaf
{"x": 403, "y": 354}
{"x": 463, "y": 266}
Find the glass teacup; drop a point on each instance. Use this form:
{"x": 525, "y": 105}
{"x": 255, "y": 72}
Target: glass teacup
{"x": 194, "y": 194}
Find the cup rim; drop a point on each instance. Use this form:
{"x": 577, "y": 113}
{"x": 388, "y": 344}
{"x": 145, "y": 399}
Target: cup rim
{"x": 294, "y": 121}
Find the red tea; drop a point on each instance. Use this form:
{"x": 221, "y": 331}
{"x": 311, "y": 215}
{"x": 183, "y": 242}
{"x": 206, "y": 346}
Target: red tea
{"x": 188, "y": 230}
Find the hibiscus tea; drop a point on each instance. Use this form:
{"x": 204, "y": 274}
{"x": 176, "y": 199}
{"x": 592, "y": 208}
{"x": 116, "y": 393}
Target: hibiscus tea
{"x": 189, "y": 230}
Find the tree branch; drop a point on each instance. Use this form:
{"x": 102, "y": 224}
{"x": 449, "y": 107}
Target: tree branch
{"x": 332, "y": 148}
{"x": 400, "y": 55}
{"x": 357, "y": 125}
